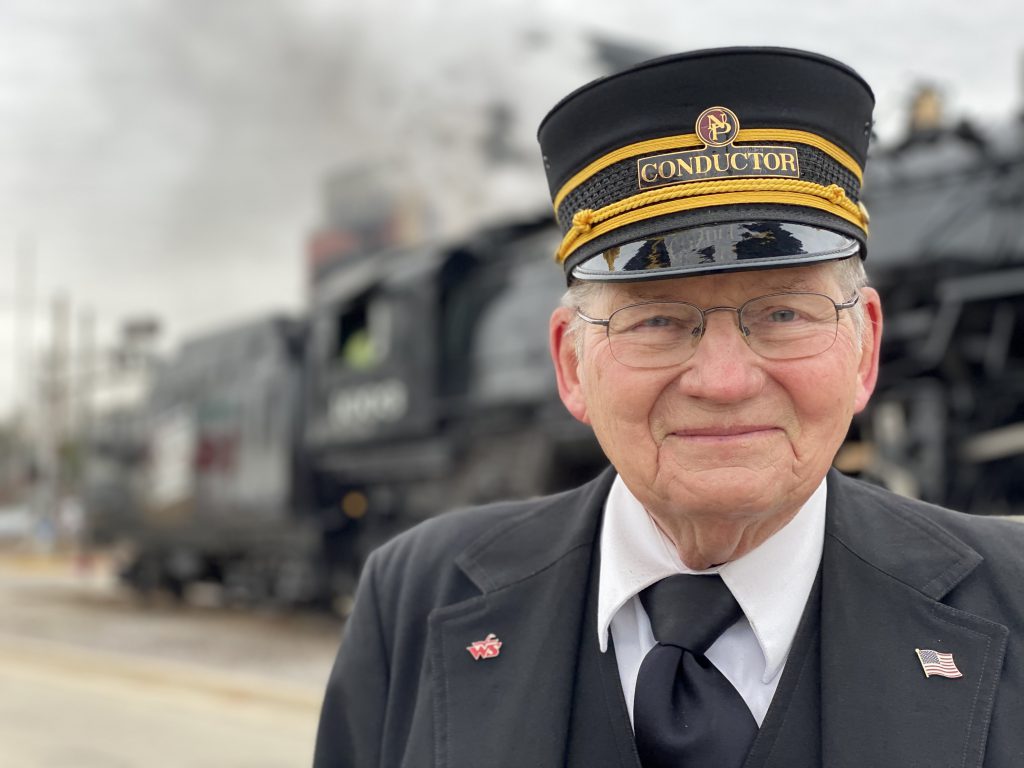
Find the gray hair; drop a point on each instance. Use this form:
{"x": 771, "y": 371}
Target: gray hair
{"x": 851, "y": 277}
{"x": 579, "y": 295}
{"x": 849, "y": 274}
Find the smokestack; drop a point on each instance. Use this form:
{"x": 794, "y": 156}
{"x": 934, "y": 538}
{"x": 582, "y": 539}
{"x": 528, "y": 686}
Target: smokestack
{"x": 1020, "y": 86}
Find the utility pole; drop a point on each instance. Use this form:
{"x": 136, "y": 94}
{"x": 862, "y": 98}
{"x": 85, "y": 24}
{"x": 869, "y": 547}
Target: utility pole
{"x": 85, "y": 380}
{"x": 58, "y": 390}
{"x": 52, "y": 427}
{"x": 22, "y": 315}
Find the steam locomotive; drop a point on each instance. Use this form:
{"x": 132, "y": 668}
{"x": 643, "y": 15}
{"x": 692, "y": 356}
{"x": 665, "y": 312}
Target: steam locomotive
{"x": 273, "y": 457}
{"x": 279, "y": 453}
{"x": 947, "y": 254}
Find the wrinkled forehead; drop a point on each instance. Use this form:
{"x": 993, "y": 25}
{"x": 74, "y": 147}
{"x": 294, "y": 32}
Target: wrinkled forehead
{"x": 724, "y": 288}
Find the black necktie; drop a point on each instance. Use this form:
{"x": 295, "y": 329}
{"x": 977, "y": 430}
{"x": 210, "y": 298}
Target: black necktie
{"x": 686, "y": 714}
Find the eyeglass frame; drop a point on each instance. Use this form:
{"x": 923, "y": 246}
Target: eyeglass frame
{"x": 744, "y": 332}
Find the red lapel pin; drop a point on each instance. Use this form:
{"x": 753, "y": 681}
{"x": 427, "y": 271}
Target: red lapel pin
{"x": 487, "y": 648}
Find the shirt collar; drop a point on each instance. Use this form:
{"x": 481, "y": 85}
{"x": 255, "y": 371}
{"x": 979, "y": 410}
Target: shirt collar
{"x": 771, "y": 583}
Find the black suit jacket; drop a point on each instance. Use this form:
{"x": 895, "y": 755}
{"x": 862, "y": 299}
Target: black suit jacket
{"x": 896, "y": 575}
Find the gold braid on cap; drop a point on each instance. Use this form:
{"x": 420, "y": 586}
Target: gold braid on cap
{"x": 782, "y": 136}
{"x": 588, "y": 224}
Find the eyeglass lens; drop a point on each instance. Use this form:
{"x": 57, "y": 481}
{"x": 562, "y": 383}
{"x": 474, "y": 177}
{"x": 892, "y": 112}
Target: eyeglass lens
{"x": 778, "y": 327}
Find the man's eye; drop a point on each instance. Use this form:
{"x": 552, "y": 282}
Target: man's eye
{"x": 776, "y": 315}
{"x": 659, "y": 321}
{"x": 650, "y": 321}
{"x": 664, "y": 324}
{"x": 783, "y": 315}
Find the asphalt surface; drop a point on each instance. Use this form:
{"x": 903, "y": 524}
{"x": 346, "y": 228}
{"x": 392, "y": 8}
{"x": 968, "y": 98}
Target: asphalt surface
{"x": 91, "y": 677}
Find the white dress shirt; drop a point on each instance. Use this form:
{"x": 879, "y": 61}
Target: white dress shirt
{"x": 771, "y": 583}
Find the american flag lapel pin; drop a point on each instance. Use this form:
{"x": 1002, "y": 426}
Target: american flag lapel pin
{"x": 487, "y": 648}
{"x": 936, "y": 663}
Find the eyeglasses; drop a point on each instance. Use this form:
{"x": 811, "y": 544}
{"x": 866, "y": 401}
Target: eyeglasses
{"x": 779, "y": 326}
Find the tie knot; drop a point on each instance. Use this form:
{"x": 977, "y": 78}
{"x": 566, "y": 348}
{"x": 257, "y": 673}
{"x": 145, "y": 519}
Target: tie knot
{"x": 690, "y": 611}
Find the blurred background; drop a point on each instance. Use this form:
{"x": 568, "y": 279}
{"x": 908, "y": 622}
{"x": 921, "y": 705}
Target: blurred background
{"x": 275, "y": 286}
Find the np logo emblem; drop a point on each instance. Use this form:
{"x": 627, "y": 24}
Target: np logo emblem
{"x": 719, "y": 158}
{"x": 487, "y": 648}
{"x": 717, "y": 126}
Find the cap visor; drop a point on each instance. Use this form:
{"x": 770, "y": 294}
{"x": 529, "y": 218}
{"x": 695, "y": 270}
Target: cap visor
{"x": 746, "y": 245}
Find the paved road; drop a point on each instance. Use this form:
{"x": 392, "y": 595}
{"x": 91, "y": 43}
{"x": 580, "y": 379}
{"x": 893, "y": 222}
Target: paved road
{"x": 91, "y": 679}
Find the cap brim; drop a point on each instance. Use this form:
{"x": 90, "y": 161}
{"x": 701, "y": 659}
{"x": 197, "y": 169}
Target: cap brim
{"x": 717, "y": 248}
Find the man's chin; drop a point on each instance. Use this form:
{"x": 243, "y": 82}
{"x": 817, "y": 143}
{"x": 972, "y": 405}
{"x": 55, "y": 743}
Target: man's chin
{"x": 730, "y": 492}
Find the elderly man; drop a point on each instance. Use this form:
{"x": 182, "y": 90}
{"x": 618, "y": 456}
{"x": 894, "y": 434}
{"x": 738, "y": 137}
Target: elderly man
{"x": 720, "y": 597}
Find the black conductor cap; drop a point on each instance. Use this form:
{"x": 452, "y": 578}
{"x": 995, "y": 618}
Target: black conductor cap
{"x": 731, "y": 158}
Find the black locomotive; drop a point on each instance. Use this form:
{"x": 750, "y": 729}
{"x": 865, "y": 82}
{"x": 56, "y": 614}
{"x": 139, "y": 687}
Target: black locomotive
{"x": 273, "y": 457}
{"x": 279, "y": 453}
{"x": 947, "y": 254}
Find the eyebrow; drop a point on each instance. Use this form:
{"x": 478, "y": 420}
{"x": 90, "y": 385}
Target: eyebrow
{"x": 778, "y": 284}
{"x": 793, "y": 284}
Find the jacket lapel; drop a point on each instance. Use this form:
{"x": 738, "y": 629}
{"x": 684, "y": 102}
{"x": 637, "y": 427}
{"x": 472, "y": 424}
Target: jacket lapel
{"x": 883, "y": 576}
{"x": 513, "y": 709}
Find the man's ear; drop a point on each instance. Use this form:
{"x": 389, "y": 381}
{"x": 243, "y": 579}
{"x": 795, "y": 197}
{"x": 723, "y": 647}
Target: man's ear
{"x": 567, "y": 368}
{"x": 871, "y": 343}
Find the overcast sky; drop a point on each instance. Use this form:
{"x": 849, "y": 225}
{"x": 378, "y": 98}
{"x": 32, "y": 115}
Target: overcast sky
{"x": 165, "y": 158}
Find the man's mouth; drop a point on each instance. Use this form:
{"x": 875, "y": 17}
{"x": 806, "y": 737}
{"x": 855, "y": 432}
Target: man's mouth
{"x": 725, "y": 432}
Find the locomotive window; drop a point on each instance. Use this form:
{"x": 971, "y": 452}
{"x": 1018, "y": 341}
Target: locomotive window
{"x": 361, "y": 335}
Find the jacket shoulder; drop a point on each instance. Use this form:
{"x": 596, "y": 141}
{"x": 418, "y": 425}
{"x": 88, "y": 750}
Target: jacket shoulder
{"x": 999, "y": 541}
{"x": 423, "y": 561}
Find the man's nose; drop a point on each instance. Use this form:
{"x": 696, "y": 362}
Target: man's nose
{"x": 723, "y": 367}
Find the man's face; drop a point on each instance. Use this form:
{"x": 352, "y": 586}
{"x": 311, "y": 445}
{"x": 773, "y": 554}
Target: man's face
{"x": 726, "y": 435}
